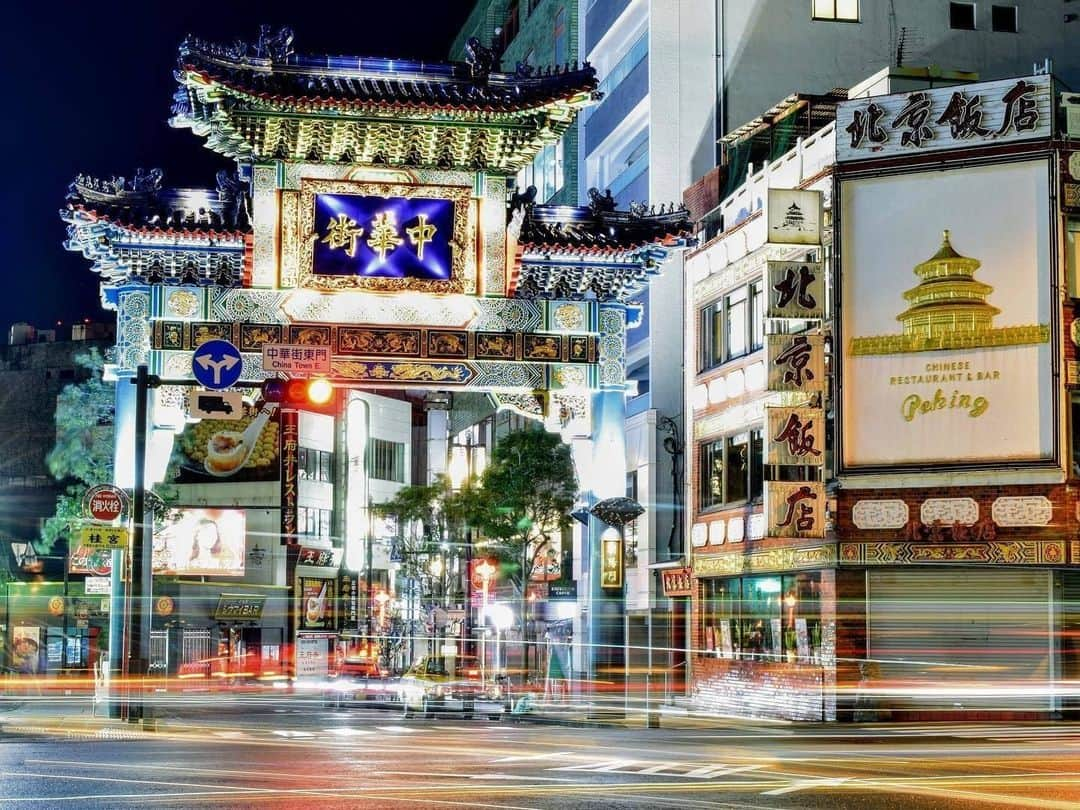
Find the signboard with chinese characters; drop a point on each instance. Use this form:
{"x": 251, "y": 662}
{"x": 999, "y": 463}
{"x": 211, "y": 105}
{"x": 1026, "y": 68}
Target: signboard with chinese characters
{"x": 384, "y": 237}
{"x": 796, "y": 290}
{"x": 239, "y": 607}
{"x": 290, "y": 437}
{"x": 794, "y": 216}
{"x": 946, "y": 335}
{"x": 296, "y": 359}
{"x": 795, "y": 508}
{"x": 796, "y": 436}
{"x": 318, "y": 557}
{"x": 312, "y": 656}
{"x": 944, "y": 118}
{"x": 103, "y": 537}
{"x": 611, "y": 560}
{"x": 677, "y": 582}
{"x": 796, "y": 362}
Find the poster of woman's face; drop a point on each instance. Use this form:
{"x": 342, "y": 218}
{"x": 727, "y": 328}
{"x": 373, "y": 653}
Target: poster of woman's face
{"x": 26, "y": 650}
{"x": 201, "y": 542}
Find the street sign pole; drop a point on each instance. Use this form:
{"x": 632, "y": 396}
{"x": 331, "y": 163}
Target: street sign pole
{"x": 137, "y": 628}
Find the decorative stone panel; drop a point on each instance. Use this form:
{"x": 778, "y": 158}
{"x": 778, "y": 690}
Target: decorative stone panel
{"x": 1031, "y": 510}
{"x": 699, "y": 535}
{"x": 949, "y": 511}
{"x": 880, "y": 514}
{"x": 735, "y": 529}
{"x": 716, "y": 532}
{"x": 757, "y": 526}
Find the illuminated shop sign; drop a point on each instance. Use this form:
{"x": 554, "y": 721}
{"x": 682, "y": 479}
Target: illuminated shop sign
{"x": 237, "y": 607}
{"x": 383, "y": 237}
{"x": 947, "y": 353}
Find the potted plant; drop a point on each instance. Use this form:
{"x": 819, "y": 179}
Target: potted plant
{"x": 791, "y": 646}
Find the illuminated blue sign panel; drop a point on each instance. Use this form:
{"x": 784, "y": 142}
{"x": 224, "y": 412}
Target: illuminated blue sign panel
{"x": 383, "y": 237}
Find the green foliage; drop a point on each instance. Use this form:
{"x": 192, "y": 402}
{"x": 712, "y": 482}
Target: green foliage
{"x": 83, "y": 454}
{"x": 529, "y": 489}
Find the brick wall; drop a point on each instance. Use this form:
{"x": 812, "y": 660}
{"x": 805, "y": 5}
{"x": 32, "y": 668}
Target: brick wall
{"x": 752, "y": 689}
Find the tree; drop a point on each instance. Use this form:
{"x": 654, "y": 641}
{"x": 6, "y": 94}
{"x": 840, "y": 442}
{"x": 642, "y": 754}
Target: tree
{"x": 528, "y": 491}
{"x": 83, "y": 454}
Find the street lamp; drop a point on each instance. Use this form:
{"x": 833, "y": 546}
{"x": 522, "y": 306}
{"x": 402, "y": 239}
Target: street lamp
{"x": 608, "y": 618}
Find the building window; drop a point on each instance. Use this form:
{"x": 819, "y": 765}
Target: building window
{"x": 840, "y": 10}
{"x": 313, "y": 522}
{"x": 962, "y": 16}
{"x": 561, "y": 53}
{"x": 731, "y": 470}
{"x": 1004, "y": 19}
{"x": 388, "y": 460}
{"x": 733, "y": 327}
{"x": 315, "y": 465}
{"x": 765, "y": 618}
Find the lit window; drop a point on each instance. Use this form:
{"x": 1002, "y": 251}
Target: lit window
{"x": 841, "y": 10}
{"x": 962, "y": 16}
{"x": 388, "y": 460}
{"x": 1004, "y": 19}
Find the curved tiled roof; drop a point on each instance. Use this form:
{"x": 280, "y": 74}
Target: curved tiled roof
{"x": 278, "y": 74}
{"x": 140, "y": 204}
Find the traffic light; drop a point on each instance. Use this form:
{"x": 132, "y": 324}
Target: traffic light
{"x": 315, "y": 394}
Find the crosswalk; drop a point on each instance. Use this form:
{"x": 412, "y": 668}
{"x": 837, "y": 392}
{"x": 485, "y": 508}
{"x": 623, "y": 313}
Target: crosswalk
{"x": 678, "y": 770}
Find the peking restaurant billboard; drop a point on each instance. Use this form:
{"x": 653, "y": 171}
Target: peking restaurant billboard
{"x": 946, "y": 320}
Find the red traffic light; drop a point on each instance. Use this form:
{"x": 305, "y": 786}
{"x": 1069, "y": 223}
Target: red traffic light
{"x": 313, "y": 394}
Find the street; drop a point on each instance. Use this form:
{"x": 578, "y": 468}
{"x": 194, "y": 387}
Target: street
{"x": 287, "y": 752}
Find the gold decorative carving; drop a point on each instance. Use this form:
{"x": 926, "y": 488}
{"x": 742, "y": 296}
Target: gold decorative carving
{"x": 776, "y": 559}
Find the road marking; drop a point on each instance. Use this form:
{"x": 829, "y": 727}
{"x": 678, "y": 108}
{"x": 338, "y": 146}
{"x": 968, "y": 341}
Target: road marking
{"x": 553, "y": 755}
{"x": 230, "y": 735}
{"x": 349, "y": 732}
{"x": 808, "y": 784}
{"x": 400, "y": 729}
{"x": 678, "y": 770}
{"x": 712, "y": 771}
{"x": 289, "y": 733}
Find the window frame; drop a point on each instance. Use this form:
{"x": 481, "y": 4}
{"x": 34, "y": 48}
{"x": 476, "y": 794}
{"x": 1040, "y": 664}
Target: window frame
{"x": 824, "y": 16}
{"x": 754, "y": 475}
{"x": 955, "y": 6}
{"x": 383, "y": 450}
{"x": 713, "y": 354}
{"x": 996, "y": 7}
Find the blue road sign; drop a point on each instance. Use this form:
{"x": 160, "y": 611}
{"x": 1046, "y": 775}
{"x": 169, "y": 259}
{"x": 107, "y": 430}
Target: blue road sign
{"x": 217, "y": 364}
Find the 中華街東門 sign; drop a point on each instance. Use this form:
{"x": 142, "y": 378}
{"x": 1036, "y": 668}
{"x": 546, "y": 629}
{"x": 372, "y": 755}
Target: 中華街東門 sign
{"x": 945, "y": 334}
{"x": 940, "y": 118}
{"x": 383, "y": 237}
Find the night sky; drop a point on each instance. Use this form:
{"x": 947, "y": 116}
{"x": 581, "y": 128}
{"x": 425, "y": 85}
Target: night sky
{"x": 88, "y": 88}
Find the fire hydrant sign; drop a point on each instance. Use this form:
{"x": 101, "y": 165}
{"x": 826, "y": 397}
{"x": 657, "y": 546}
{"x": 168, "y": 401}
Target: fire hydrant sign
{"x": 298, "y": 360}
{"x": 109, "y": 537}
{"x": 104, "y": 503}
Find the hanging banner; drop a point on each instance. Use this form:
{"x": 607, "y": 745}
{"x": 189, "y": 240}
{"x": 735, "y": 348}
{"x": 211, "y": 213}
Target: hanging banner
{"x": 796, "y": 362}
{"x": 796, "y": 291}
{"x": 290, "y": 448}
{"x": 796, "y": 436}
{"x": 795, "y": 508}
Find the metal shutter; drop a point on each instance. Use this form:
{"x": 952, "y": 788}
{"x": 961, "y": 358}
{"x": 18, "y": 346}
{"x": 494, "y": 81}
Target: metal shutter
{"x": 961, "y": 639}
